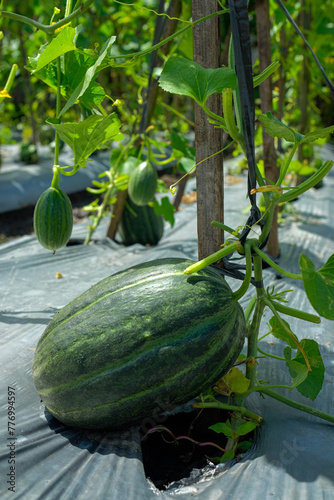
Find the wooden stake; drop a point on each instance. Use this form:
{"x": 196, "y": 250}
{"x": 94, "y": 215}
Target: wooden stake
{"x": 208, "y": 140}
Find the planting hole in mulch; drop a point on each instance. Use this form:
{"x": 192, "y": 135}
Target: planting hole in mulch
{"x": 166, "y": 460}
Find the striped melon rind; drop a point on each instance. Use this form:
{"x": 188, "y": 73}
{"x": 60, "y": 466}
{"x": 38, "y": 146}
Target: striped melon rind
{"x": 137, "y": 343}
{"x": 140, "y": 225}
{"x": 53, "y": 219}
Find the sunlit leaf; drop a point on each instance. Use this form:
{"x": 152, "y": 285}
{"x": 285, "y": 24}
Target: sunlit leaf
{"x": 319, "y": 285}
{"x": 184, "y": 77}
{"x": 233, "y": 381}
{"x": 63, "y": 43}
{"x": 88, "y": 135}
{"x": 89, "y": 76}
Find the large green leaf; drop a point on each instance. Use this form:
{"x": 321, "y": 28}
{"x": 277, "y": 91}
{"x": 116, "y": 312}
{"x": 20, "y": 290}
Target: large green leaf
{"x": 64, "y": 42}
{"x": 280, "y": 333}
{"x": 89, "y": 76}
{"x": 311, "y": 384}
{"x": 184, "y": 77}
{"x": 276, "y": 128}
{"x": 319, "y": 285}
{"x": 87, "y": 136}
{"x": 76, "y": 66}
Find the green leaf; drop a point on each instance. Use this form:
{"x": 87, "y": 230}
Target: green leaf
{"x": 233, "y": 381}
{"x": 245, "y": 428}
{"x": 298, "y": 371}
{"x": 299, "y": 168}
{"x": 87, "y": 136}
{"x": 276, "y": 128}
{"x": 319, "y": 285}
{"x": 184, "y": 77}
{"x": 186, "y": 165}
{"x": 166, "y": 209}
{"x": 90, "y": 74}
{"x": 75, "y": 68}
{"x": 180, "y": 143}
{"x": 312, "y": 384}
{"x": 228, "y": 455}
{"x": 223, "y": 428}
{"x": 280, "y": 333}
{"x": 318, "y": 134}
{"x": 245, "y": 445}
{"x": 64, "y": 42}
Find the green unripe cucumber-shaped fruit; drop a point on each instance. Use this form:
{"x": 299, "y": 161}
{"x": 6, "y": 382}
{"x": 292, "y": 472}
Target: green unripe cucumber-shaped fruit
{"x": 143, "y": 183}
{"x": 53, "y": 219}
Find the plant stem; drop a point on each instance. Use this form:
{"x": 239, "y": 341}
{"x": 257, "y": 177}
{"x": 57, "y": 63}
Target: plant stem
{"x": 277, "y": 268}
{"x": 251, "y": 366}
{"x": 286, "y": 328}
{"x": 55, "y": 178}
{"x": 58, "y": 108}
{"x": 68, "y": 8}
{"x": 212, "y": 258}
{"x": 231, "y": 126}
{"x": 293, "y": 193}
{"x": 48, "y": 29}
{"x": 248, "y": 275}
{"x": 249, "y": 309}
{"x": 270, "y": 355}
{"x": 224, "y": 406}
{"x": 226, "y": 228}
{"x": 170, "y": 38}
{"x": 312, "y": 318}
{"x": 284, "y": 169}
{"x": 294, "y": 404}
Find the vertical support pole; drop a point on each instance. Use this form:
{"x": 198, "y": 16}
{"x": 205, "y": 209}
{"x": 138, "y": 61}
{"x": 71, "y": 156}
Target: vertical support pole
{"x": 208, "y": 140}
{"x": 269, "y": 153}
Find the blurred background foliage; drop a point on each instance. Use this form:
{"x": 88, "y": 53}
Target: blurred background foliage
{"x": 300, "y": 96}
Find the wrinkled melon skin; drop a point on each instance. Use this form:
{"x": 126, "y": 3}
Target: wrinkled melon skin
{"x": 53, "y": 219}
{"x": 138, "y": 343}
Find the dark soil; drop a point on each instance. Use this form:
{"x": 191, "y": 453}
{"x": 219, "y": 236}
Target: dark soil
{"x": 166, "y": 460}
{"x": 20, "y": 222}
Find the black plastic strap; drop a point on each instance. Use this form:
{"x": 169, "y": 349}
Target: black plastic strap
{"x": 243, "y": 67}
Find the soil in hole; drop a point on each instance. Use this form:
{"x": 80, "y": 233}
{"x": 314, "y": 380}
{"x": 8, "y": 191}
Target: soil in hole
{"x": 166, "y": 461}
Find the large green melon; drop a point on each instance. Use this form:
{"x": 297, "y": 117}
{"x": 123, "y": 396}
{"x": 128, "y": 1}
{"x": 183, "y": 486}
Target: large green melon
{"x": 139, "y": 342}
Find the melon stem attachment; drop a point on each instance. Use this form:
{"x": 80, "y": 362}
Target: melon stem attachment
{"x": 55, "y": 178}
{"x": 207, "y": 261}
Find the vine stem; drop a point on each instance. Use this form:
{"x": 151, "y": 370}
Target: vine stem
{"x": 248, "y": 275}
{"x": 277, "y": 268}
{"x": 224, "y": 406}
{"x": 48, "y": 29}
{"x": 171, "y": 37}
{"x": 294, "y": 404}
{"x": 287, "y": 163}
{"x": 251, "y": 367}
{"x": 212, "y": 258}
